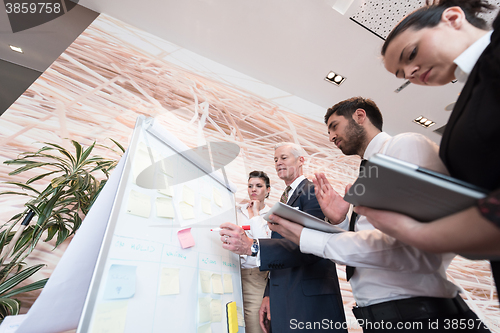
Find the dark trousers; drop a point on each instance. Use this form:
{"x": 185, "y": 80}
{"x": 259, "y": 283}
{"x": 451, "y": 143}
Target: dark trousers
{"x": 419, "y": 314}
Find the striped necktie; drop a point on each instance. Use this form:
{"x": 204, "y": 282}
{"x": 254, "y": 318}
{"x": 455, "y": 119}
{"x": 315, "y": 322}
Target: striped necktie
{"x": 284, "y": 196}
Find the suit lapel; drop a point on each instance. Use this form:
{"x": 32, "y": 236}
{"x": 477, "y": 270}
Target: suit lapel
{"x": 296, "y": 194}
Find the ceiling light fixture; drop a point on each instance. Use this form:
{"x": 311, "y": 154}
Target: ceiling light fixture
{"x": 335, "y": 78}
{"x": 422, "y": 121}
{"x": 16, "y": 49}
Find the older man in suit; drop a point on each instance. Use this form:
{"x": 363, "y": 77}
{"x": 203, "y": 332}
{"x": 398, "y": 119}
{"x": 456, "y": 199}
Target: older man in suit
{"x": 303, "y": 290}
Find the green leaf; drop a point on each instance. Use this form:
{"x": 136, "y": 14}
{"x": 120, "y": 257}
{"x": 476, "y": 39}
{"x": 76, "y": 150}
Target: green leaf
{"x": 30, "y": 287}
{"x": 12, "y": 192}
{"x": 27, "y": 167}
{"x": 119, "y": 145}
{"x": 24, "y": 186}
{"x": 11, "y": 306}
{"x": 33, "y": 179}
{"x": 78, "y": 148}
{"x": 87, "y": 152}
{"x": 18, "y": 278}
{"x": 62, "y": 235}
{"x": 51, "y": 231}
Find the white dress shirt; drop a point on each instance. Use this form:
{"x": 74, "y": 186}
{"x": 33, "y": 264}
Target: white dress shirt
{"x": 294, "y": 185}
{"x": 467, "y": 60}
{"x": 387, "y": 269}
{"x": 258, "y": 229}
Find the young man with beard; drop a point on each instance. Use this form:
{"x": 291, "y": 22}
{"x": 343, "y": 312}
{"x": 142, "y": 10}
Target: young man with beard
{"x": 396, "y": 287}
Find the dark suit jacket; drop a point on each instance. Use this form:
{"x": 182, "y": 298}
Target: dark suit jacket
{"x": 302, "y": 287}
{"x": 470, "y": 145}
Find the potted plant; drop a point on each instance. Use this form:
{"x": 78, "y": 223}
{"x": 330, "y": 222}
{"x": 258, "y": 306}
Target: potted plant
{"x": 58, "y": 210}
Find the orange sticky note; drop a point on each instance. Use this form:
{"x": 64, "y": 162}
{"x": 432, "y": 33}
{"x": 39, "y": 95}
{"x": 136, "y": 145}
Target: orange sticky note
{"x": 185, "y": 238}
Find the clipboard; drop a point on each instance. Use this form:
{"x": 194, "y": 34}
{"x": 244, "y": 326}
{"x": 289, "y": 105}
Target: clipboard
{"x": 302, "y": 218}
{"x": 425, "y": 195}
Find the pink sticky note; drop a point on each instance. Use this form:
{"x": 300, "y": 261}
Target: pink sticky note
{"x": 185, "y": 238}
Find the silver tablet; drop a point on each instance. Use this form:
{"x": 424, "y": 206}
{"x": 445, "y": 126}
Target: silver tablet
{"x": 298, "y": 216}
{"x": 391, "y": 184}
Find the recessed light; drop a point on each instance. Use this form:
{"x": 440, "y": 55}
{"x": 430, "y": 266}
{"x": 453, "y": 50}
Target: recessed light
{"x": 422, "y": 121}
{"x": 16, "y": 49}
{"x": 335, "y": 78}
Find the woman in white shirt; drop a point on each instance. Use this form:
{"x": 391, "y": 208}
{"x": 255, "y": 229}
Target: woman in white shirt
{"x": 252, "y": 279}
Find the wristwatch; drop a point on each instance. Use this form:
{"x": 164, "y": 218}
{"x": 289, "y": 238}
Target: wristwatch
{"x": 255, "y": 248}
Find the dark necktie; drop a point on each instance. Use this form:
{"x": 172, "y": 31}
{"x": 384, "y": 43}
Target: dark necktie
{"x": 284, "y": 196}
{"x": 349, "y": 270}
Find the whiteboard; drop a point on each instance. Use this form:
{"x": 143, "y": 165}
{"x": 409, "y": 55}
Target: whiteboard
{"x": 144, "y": 280}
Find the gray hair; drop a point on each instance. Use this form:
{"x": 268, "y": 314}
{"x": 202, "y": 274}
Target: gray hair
{"x": 296, "y": 149}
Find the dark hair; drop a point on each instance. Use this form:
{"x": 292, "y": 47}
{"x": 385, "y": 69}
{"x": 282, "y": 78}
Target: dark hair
{"x": 262, "y": 175}
{"x": 430, "y": 16}
{"x": 346, "y": 108}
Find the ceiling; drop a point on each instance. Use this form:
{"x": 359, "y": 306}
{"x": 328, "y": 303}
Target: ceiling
{"x": 292, "y": 45}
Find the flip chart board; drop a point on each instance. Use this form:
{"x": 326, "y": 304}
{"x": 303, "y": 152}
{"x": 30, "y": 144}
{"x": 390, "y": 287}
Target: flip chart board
{"x": 160, "y": 268}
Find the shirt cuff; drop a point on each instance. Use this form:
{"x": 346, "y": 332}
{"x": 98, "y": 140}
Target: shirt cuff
{"x": 257, "y": 257}
{"x": 313, "y": 242}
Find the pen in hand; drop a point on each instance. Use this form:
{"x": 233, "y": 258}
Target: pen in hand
{"x": 244, "y": 227}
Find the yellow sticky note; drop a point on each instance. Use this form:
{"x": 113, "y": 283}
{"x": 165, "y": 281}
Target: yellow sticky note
{"x": 169, "y": 281}
{"x": 216, "y": 310}
{"x": 241, "y": 318}
{"x": 165, "y": 189}
{"x": 166, "y": 165}
{"x": 206, "y": 205}
{"x": 165, "y": 207}
{"x": 139, "y": 204}
{"x": 187, "y": 211}
{"x": 228, "y": 283}
{"x": 217, "y": 284}
{"x": 204, "y": 310}
{"x": 188, "y": 195}
{"x": 217, "y": 197}
{"x": 205, "y": 282}
{"x": 109, "y": 317}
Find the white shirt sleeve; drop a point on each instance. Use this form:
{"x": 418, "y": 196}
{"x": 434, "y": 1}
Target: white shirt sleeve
{"x": 368, "y": 249}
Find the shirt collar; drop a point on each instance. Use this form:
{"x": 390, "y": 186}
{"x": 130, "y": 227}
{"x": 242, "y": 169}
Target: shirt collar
{"x": 465, "y": 62}
{"x": 297, "y": 181}
{"x": 376, "y": 144}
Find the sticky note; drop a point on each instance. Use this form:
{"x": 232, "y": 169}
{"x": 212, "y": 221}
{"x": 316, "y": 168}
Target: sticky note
{"x": 163, "y": 187}
{"x": 207, "y": 328}
{"x": 169, "y": 281}
{"x": 204, "y": 310}
{"x": 185, "y": 238}
{"x": 218, "y": 197}
{"x": 206, "y": 206}
{"x": 188, "y": 195}
{"x": 217, "y": 284}
{"x": 187, "y": 211}
{"x": 216, "y": 310}
{"x": 241, "y": 318}
{"x": 228, "y": 283}
{"x": 139, "y": 204}
{"x": 110, "y": 317}
{"x": 205, "y": 282}
{"x": 120, "y": 282}
{"x": 165, "y": 207}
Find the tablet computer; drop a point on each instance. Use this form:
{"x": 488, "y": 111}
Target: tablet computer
{"x": 391, "y": 184}
{"x": 302, "y": 218}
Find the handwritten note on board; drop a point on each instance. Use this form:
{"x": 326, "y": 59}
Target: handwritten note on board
{"x": 217, "y": 284}
{"x": 185, "y": 238}
{"x": 110, "y": 317}
{"x": 121, "y": 282}
{"x": 228, "y": 284}
{"x": 216, "y": 310}
{"x": 206, "y": 206}
{"x": 205, "y": 281}
{"x": 165, "y": 207}
{"x": 218, "y": 197}
{"x": 206, "y": 328}
{"x": 188, "y": 195}
{"x": 204, "y": 309}
{"x": 169, "y": 281}
{"x": 139, "y": 204}
{"x": 187, "y": 211}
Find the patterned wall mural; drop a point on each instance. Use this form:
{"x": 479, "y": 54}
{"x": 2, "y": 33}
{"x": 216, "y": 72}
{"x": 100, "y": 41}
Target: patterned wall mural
{"x": 114, "y": 72}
